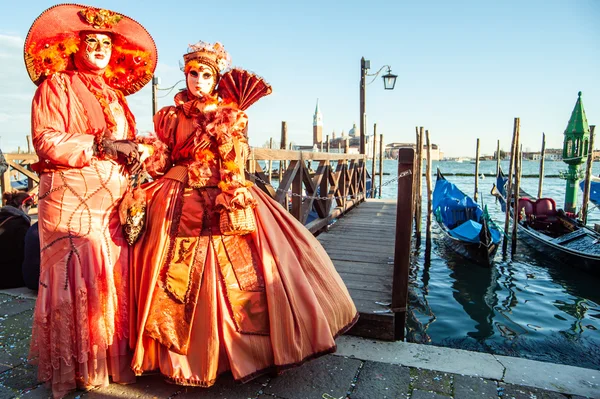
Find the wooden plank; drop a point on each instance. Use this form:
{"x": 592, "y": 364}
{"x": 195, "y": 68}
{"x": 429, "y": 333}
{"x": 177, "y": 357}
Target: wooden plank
{"x": 361, "y": 246}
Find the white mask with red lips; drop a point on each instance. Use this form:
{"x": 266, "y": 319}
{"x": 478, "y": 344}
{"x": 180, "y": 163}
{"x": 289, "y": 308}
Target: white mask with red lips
{"x": 200, "y": 81}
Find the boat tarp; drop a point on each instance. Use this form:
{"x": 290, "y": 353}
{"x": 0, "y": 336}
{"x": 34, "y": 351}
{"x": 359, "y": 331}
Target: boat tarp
{"x": 594, "y": 189}
{"x": 468, "y": 231}
{"x": 453, "y": 206}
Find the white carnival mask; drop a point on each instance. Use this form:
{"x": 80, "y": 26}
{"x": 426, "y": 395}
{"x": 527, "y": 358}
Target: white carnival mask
{"x": 200, "y": 80}
{"x": 95, "y": 51}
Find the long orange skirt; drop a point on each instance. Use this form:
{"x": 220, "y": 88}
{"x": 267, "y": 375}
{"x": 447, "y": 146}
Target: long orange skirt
{"x": 308, "y": 303}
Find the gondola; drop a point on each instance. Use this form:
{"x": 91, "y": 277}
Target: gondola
{"x": 552, "y": 231}
{"x": 466, "y": 227}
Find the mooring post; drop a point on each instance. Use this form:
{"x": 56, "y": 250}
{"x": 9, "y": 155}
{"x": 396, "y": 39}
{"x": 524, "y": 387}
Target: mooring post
{"x": 588, "y": 177}
{"x": 542, "y": 159}
{"x": 476, "y": 171}
{"x": 402, "y": 247}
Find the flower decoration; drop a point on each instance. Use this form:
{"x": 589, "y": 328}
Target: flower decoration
{"x": 99, "y": 18}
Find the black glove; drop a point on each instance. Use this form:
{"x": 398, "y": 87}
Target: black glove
{"x": 124, "y": 152}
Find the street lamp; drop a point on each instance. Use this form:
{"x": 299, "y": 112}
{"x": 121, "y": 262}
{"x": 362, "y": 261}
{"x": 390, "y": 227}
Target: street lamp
{"x": 389, "y": 81}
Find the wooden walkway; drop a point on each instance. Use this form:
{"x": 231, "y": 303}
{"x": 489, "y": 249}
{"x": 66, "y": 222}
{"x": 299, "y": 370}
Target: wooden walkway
{"x": 361, "y": 245}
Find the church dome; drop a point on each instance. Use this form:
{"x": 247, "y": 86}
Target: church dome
{"x": 354, "y": 131}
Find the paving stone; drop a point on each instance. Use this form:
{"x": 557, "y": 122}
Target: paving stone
{"x": 511, "y": 391}
{"x": 429, "y": 380}
{"x": 15, "y": 328}
{"x": 225, "y": 388}
{"x": 20, "y": 378}
{"x": 39, "y": 392}
{"x": 328, "y": 374}
{"x": 419, "y": 394}
{"x": 14, "y": 305}
{"x": 7, "y": 393}
{"x": 381, "y": 380}
{"x": 14, "y": 354}
{"x": 474, "y": 387}
{"x": 151, "y": 386}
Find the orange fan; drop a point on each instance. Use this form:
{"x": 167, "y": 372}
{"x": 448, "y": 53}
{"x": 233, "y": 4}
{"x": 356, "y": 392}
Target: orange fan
{"x": 242, "y": 87}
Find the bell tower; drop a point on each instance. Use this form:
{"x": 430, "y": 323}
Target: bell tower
{"x": 317, "y": 126}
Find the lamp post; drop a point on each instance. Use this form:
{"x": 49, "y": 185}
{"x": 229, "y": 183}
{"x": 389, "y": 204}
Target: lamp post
{"x": 155, "y": 83}
{"x": 389, "y": 81}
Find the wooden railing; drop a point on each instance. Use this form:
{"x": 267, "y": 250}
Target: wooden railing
{"x": 20, "y": 162}
{"x": 336, "y": 185}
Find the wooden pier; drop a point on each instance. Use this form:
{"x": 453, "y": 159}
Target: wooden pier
{"x": 361, "y": 246}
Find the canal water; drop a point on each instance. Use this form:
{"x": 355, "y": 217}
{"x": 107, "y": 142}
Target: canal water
{"x": 527, "y": 306}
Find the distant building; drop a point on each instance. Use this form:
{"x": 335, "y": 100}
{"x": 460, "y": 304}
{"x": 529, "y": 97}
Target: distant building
{"x": 391, "y": 150}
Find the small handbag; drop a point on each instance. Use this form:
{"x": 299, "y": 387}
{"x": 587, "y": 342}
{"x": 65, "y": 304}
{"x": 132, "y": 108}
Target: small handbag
{"x": 237, "y": 221}
{"x": 132, "y": 213}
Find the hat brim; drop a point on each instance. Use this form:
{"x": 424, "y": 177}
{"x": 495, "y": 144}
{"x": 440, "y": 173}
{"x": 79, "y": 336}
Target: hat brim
{"x": 54, "y": 37}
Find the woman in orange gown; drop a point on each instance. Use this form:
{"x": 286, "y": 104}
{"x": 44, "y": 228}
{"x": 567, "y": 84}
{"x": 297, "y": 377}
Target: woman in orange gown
{"x": 212, "y": 295}
{"x": 85, "y": 60}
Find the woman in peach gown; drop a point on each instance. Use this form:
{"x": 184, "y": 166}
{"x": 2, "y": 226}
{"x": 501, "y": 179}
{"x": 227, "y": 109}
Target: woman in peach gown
{"x": 213, "y": 296}
{"x": 85, "y": 60}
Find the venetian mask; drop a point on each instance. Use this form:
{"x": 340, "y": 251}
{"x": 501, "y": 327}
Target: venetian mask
{"x": 95, "y": 50}
{"x": 200, "y": 80}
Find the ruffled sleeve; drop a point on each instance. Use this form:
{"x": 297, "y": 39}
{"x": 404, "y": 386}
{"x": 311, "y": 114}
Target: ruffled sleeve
{"x": 165, "y": 123}
{"x": 49, "y": 121}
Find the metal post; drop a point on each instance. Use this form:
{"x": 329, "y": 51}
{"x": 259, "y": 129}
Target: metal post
{"x": 155, "y": 82}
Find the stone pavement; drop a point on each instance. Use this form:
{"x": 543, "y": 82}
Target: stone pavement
{"x": 361, "y": 369}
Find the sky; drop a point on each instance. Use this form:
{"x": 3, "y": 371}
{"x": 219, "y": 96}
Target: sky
{"x": 465, "y": 69}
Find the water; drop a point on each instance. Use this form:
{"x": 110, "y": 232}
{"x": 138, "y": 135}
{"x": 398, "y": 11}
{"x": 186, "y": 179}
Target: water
{"x": 529, "y": 306}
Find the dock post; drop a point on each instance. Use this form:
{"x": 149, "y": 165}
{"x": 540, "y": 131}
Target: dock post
{"x": 373, "y": 162}
{"x": 542, "y": 159}
{"x": 476, "y": 171}
{"x": 380, "y": 163}
{"x": 402, "y": 247}
{"x": 588, "y": 177}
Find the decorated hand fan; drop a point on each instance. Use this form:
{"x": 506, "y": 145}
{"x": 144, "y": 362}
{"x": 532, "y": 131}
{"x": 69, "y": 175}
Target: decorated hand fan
{"x": 243, "y": 88}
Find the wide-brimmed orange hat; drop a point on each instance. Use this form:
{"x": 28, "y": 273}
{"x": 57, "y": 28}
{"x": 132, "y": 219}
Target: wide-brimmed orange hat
{"x": 54, "y": 37}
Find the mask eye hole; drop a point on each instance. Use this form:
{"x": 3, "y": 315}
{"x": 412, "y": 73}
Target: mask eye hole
{"x": 207, "y": 75}
{"x": 194, "y": 73}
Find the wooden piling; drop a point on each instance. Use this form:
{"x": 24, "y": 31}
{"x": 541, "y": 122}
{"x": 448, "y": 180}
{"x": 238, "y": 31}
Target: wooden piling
{"x": 380, "y": 163}
{"x": 476, "y": 171}
{"x": 588, "y": 177}
{"x": 373, "y": 163}
{"x": 516, "y": 214}
{"x": 270, "y": 161}
{"x": 328, "y": 144}
{"x": 28, "y": 144}
{"x": 429, "y": 194}
{"x": 497, "y": 157}
{"x": 402, "y": 248}
{"x": 418, "y": 183}
{"x": 542, "y": 160}
{"x": 283, "y": 146}
{"x": 513, "y": 149}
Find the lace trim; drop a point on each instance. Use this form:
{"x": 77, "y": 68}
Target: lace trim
{"x": 63, "y": 334}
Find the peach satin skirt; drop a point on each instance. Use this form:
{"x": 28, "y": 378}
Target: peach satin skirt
{"x": 306, "y": 302}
